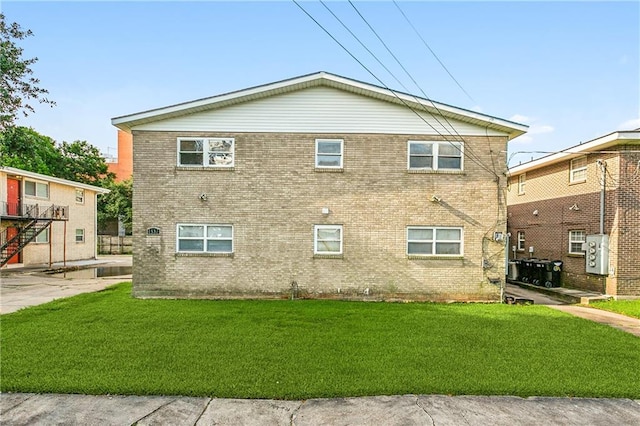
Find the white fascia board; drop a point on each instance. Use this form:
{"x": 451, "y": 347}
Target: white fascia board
{"x": 159, "y": 113}
{"x": 45, "y": 178}
{"x": 598, "y": 144}
{"x": 513, "y": 129}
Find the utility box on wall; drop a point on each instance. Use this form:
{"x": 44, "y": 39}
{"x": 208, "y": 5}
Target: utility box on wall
{"x": 597, "y": 254}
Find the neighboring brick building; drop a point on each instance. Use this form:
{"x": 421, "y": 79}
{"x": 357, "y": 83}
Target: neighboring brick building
{"x": 318, "y": 186}
{"x": 122, "y": 165}
{"x": 55, "y": 218}
{"x": 554, "y": 204}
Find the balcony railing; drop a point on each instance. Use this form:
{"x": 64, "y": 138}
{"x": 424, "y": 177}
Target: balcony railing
{"x": 33, "y": 211}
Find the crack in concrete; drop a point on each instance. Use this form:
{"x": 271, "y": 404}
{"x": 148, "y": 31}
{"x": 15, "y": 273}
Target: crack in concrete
{"x": 433, "y": 423}
{"x": 154, "y": 411}
{"x": 18, "y": 404}
{"x": 293, "y": 415}
{"x": 203, "y": 411}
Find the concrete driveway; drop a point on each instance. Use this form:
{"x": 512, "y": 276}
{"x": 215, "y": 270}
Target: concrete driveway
{"x": 23, "y": 287}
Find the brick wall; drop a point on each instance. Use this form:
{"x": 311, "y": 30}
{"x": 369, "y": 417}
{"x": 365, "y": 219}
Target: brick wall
{"x": 550, "y": 194}
{"x": 628, "y": 247}
{"x": 274, "y": 197}
{"x": 123, "y": 168}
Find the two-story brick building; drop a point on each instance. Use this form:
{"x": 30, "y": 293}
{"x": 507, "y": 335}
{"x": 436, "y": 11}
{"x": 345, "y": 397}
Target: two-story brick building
{"x": 44, "y": 219}
{"x": 556, "y": 203}
{"x": 318, "y": 186}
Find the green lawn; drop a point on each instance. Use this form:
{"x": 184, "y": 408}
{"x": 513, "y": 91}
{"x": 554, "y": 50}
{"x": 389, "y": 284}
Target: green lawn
{"x": 630, "y": 308}
{"x": 107, "y": 342}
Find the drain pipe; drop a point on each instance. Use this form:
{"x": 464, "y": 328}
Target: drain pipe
{"x": 603, "y": 189}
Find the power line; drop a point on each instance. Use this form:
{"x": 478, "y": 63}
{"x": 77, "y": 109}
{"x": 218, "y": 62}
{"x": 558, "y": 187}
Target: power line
{"x": 432, "y": 52}
{"x": 366, "y": 48}
{"x": 468, "y": 151}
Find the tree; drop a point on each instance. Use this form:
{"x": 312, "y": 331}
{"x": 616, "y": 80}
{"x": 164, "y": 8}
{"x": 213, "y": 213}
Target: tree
{"x": 116, "y": 204}
{"x": 17, "y": 85}
{"x": 79, "y": 161}
{"x": 26, "y": 149}
{"x": 82, "y": 162}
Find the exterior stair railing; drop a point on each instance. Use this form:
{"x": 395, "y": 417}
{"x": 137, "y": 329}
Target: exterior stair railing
{"x": 39, "y": 221}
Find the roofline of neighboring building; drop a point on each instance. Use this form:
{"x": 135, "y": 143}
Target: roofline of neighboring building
{"x": 33, "y": 175}
{"x": 594, "y": 145}
{"x": 126, "y": 122}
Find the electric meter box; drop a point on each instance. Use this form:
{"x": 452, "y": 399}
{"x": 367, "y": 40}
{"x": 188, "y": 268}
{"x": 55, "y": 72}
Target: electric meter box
{"x": 597, "y": 254}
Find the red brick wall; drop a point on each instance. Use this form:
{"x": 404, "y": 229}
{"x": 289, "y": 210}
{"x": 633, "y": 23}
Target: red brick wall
{"x": 629, "y": 227}
{"x": 123, "y": 168}
{"x": 549, "y": 193}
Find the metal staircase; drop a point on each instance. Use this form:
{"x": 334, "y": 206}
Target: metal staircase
{"x": 12, "y": 246}
{"x": 37, "y": 220}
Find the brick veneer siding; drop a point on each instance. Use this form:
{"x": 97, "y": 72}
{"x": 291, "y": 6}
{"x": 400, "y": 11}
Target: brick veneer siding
{"x": 274, "y": 197}
{"x": 628, "y": 247}
{"x": 549, "y": 193}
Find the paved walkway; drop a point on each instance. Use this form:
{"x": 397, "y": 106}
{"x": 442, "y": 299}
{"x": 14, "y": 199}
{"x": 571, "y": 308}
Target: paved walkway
{"x": 34, "y": 409}
{"x": 621, "y": 322}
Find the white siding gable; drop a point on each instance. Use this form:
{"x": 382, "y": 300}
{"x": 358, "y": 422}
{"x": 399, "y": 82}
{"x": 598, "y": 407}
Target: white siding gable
{"x": 317, "y": 110}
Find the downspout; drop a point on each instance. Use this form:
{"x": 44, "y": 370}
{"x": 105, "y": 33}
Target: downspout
{"x": 603, "y": 189}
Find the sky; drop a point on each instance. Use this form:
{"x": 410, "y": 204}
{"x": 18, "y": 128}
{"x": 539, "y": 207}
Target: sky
{"x": 569, "y": 70}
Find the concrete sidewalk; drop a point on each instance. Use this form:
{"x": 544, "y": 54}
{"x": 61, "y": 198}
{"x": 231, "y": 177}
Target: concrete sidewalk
{"x": 621, "y": 322}
{"x": 36, "y": 409}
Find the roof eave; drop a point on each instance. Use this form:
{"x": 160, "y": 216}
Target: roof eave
{"x": 317, "y": 79}
{"x": 34, "y": 175}
{"x": 598, "y": 144}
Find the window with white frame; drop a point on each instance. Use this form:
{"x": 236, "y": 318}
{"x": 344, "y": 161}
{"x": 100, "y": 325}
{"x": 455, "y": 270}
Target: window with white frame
{"x": 212, "y": 238}
{"x": 43, "y": 237}
{"x": 576, "y": 239}
{"x": 36, "y": 189}
{"x": 206, "y": 152}
{"x": 520, "y": 240}
{"x": 79, "y": 196}
{"x": 434, "y": 241}
{"x": 424, "y": 155}
{"x": 522, "y": 180}
{"x": 79, "y": 235}
{"x": 578, "y": 169}
{"x": 329, "y": 153}
{"x": 327, "y": 239}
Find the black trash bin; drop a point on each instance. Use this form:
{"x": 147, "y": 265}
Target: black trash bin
{"x": 527, "y": 273}
{"x": 539, "y": 272}
{"x": 553, "y": 274}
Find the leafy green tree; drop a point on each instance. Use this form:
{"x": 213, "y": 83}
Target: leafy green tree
{"x": 82, "y": 162}
{"x": 116, "y": 204}
{"x": 17, "y": 85}
{"x": 26, "y": 149}
{"x": 79, "y": 161}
